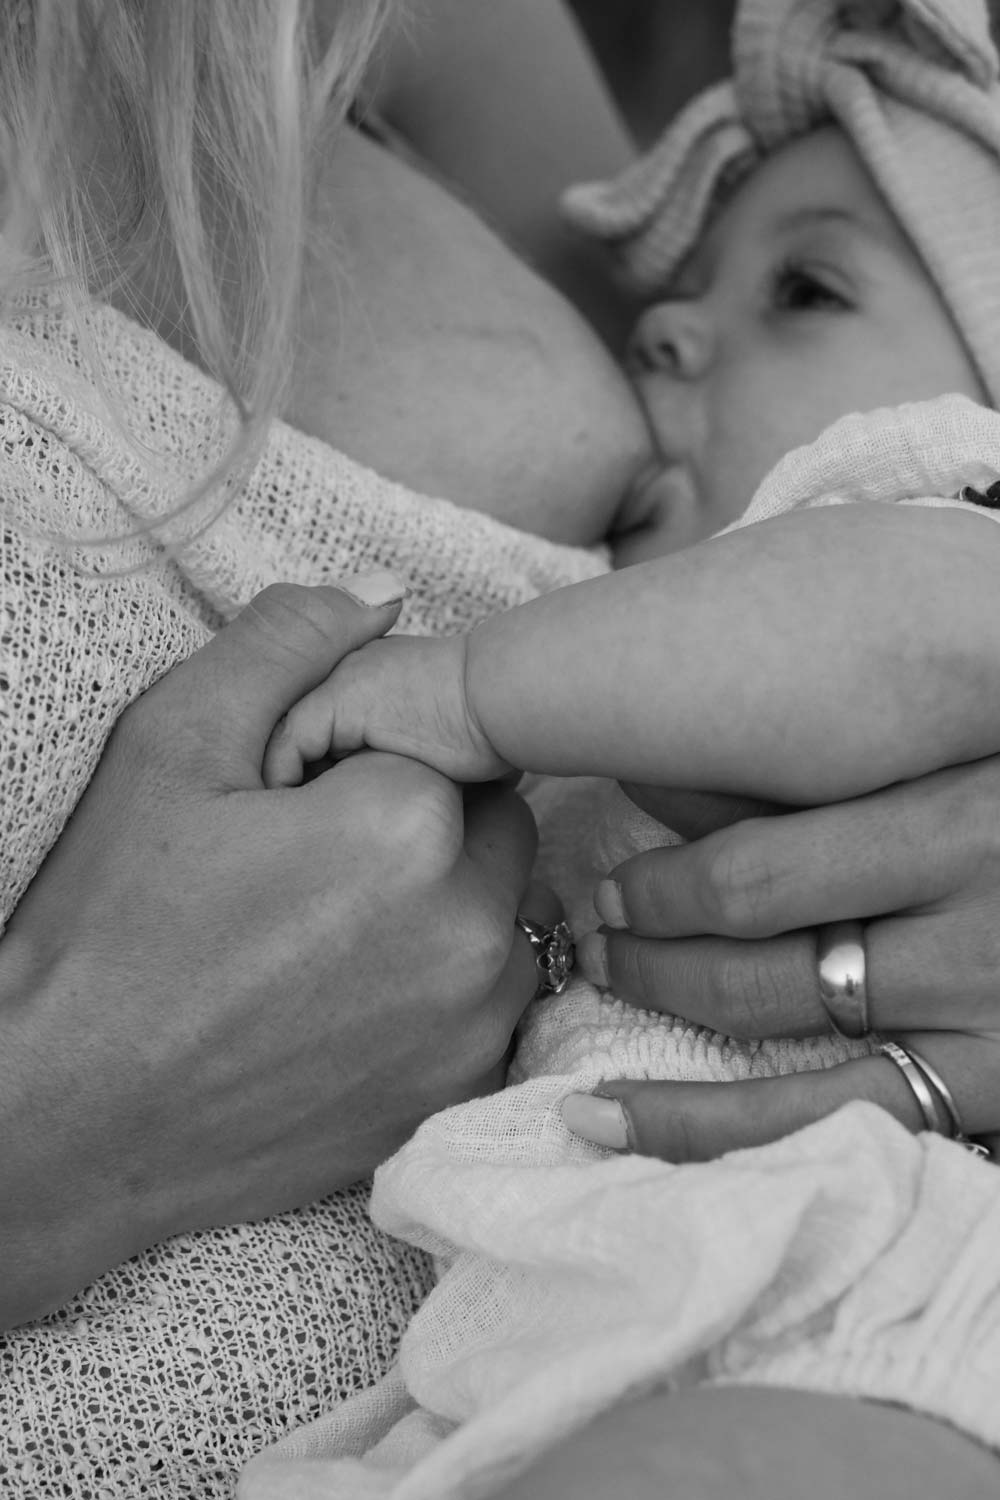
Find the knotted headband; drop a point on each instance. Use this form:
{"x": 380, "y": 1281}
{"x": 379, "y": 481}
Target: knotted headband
{"x": 915, "y": 87}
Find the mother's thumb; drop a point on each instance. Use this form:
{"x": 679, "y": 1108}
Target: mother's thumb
{"x": 287, "y": 639}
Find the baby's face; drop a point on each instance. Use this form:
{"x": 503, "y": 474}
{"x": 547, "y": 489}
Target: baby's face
{"x": 804, "y": 301}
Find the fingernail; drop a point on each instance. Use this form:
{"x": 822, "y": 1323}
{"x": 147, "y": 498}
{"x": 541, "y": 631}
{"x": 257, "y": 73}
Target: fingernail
{"x": 609, "y": 905}
{"x": 375, "y": 589}
{"x": 592, "y": 959}
{"x": 600, "y": 1121}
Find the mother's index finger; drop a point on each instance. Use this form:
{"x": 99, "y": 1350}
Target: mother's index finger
{"x": 732, "y": 882}
{"x": 888, "y": 851}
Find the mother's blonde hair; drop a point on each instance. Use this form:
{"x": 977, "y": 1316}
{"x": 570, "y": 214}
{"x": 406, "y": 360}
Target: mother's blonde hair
{"x": 214, "y": 109}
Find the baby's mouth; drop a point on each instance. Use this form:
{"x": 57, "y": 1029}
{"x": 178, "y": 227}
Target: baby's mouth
{"x": 661, "y": 486}
{"x": 660, "y": 513}
{"x": 634, "y": 507}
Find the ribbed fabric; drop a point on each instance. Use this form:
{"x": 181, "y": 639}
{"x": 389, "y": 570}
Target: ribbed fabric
{"x": 850, "y": 1258}
{"x": 915, "y": 87}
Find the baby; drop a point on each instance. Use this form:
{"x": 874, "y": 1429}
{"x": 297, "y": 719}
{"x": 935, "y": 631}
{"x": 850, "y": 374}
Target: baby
{"x": 713, "y": 668}
{"x": 826, "y": 227}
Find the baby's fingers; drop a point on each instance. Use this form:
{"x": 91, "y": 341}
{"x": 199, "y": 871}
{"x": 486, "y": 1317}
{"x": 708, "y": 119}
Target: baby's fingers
{"x": 304, "y": 735}
{"x": 685, "y": 1122}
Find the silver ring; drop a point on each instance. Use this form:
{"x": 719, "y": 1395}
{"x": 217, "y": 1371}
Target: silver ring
{"x": 929, "y": 1089}
{"x": 554, "y": 954}
{"x": 840, "y": 960}
{"x": 919, "y": 1087}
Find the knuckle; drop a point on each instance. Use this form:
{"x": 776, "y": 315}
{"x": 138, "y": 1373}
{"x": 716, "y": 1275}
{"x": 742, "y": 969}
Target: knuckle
{"x": 645, "y": 891}
{"x": 799, "y": 1099}
{"x": 980, "y": 958}
{"x": 736, "y": 884}
{"x": 290, "y": 615}
{"x": 984, "y": 837}
{"x": 416, "y": 815}
{"x": 968, "y": 816}
{"x": 486, "y": 949}
{"x": 748, "y": 994}
{"x": 280, "y": 602}
{"x": 471, "y": 967}
{"x": 636, "y": 967}
{"x": 686, "y": 1136}
{"x": 703, "y": 1126}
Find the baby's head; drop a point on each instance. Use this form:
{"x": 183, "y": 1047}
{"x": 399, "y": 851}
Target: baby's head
{"x": 833, "y": 251}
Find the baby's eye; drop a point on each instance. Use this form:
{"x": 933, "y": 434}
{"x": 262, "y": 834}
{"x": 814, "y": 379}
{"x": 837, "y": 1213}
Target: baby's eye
{"x": 796, "y": 288}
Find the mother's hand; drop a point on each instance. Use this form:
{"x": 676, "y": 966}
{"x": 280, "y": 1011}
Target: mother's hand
{"x": 724, "y": 928}
{"x": 221, "y": 1001}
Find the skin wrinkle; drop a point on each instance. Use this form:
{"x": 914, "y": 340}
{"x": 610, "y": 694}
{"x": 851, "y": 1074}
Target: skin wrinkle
{"x": 741, "y": 887}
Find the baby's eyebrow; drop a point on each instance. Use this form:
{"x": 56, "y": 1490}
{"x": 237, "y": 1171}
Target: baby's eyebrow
{"x": 806, "y": 218}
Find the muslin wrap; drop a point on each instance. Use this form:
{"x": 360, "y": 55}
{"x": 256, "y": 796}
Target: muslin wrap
{"x": 850, "y": 1257}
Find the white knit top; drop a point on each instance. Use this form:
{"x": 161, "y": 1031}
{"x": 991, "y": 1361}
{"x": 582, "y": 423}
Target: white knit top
{"x": 162, "y": 1377}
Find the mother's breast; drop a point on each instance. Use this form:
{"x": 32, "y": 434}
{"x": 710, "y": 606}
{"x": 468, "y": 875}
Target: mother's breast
{"x": 430, "y": 352}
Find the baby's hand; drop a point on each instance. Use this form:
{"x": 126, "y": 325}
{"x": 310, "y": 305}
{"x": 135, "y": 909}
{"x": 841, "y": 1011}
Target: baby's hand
{"x": 404, "y": 694}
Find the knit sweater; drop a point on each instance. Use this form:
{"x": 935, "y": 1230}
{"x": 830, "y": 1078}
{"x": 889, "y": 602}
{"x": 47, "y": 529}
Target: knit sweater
{"x": 168, "y": 1372}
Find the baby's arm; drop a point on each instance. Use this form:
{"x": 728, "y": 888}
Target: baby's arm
{"x": 812, "y": 657}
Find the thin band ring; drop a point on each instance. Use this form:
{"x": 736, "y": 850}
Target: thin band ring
{"x": 948, "y": 1100}
{"x": 929, "y": 1089}
{"x": 841, "y": 967}
{"x": 911, "y": 1071}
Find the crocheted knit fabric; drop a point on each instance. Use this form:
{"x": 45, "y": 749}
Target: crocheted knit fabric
{"x": 159, "y": 1380}
{"x": 832, "y": 1260}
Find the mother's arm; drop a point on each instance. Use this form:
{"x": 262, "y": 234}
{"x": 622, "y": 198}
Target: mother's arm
{"x": 217, "y": 1002}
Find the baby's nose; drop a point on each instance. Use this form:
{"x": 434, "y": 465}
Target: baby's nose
{"x": 671, "y": 338}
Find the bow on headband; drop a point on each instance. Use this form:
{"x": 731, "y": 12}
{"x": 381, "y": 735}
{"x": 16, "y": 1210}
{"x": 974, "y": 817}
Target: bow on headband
{"x": 913, "y": 84}
{"x": 794, "y": 59}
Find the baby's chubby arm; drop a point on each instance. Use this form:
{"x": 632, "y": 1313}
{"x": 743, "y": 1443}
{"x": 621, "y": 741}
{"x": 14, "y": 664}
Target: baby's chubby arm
{"x": 808, "y": 658}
